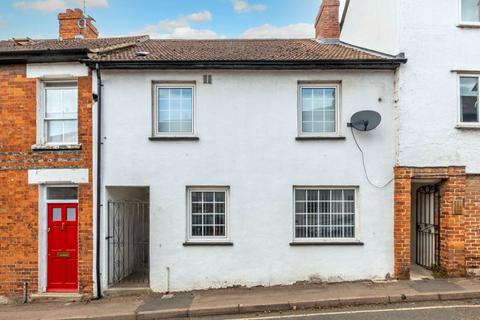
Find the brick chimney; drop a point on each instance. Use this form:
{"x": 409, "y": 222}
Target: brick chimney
{"x": 73, "y": 24}
{"x": 327, "y": 25}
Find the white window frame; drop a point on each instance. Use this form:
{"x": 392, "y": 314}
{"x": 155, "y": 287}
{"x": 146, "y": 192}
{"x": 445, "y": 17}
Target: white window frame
{"x": 207, "y": 239}
{"x": 463, "y": 23}
{"x": 180, "y": 85}
{"x": 459, "y": 101}
{"x": 42, "y": 108}
{"x": 326, "y": 85}
{"x": 356, "y": 238}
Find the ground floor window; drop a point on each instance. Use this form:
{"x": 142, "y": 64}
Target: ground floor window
{"x": 325, "y": 213}
{"x": 207, "y": 213}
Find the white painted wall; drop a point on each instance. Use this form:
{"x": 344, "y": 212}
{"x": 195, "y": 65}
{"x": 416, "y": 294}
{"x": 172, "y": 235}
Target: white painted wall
{"x": 372, "y": 24}
{"x": 428, "y": 90}
{"x": 428, "y": 108}
{"x": 247, "y": 124}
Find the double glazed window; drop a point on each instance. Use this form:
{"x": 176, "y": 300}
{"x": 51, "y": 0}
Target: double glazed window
{"x": 174, "y": 110}
{"x": 207, "y": 213}
{"x": 60, "y": 112}
{"x": 324, "y": 214}
{"x": 318, "y": 110}
{"x": 470, "y": 11}
{"x": 469, "y": 98}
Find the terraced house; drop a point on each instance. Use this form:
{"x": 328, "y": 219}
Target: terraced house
{"x": 174, "y": 165}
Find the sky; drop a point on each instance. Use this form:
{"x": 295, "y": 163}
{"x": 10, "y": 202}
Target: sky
{"x": 166, "y": 18}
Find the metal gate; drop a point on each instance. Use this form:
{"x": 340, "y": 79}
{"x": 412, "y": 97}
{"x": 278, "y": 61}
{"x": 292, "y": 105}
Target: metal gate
{"x": 128, "y": 243}
{"x": 428, "y": 227}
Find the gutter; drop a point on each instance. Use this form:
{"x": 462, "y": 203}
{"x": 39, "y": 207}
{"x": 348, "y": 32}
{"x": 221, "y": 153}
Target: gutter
{"x": 52, "y": 55}
{"x": 383, "y": 64}
{"x": 99, "y": 171}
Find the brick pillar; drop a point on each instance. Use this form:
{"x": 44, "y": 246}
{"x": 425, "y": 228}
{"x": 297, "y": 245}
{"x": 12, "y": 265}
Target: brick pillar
{"x": 472, "y": 224}
{"x": 402, "y": 218}
{"x": 452, "y": 225}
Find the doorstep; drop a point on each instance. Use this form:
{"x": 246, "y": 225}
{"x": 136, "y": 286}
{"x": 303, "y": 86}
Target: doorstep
{"x": 55, "y": 297}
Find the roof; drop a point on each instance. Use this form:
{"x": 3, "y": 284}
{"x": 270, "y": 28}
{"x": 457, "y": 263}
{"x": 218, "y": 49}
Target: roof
{"x": 143, "y": 52}
{"x": 236, "y": 50}
{"x": 29, "y": 45}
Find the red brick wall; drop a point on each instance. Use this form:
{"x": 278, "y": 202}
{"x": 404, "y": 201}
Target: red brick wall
{"x": 19, "y": 200}
{"x": 453, "y": 226}
{"x": 327, "y": 24}
{"x": 472, "y": 223}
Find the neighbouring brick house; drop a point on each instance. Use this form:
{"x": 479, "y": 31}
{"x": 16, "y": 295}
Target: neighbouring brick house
{"x": 46, "y": 116}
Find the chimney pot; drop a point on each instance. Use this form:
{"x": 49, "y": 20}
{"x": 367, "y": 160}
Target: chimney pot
{"x": 73, "y": 24}
{"x": 327, "y": 25}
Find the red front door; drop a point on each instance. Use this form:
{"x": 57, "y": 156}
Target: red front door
{"x": 62, "y": 274}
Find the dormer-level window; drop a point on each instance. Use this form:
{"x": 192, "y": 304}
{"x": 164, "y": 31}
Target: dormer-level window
{"x": 469, "y": 97}
{"x": 470, "y": 11}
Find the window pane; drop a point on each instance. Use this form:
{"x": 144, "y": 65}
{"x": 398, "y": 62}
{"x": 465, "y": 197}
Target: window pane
{"x": 469, "y": 99}
{"x": 71, "y": 214}
{"x": 325, "y": 213}
{"x": 62, "y": 193}
{"x": 318, "y": 110}
{"x": 471, "y": 10}
{"x": 57, "y": 214}
{"x": 62, "y": 131}
{"x": 175, "y": 109}
{"x": 55, "y": 131}
{"x": 61, "y": 103}
{"x": 70, "y": 129}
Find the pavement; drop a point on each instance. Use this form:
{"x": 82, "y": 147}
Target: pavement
{"x": 257, "y": 300}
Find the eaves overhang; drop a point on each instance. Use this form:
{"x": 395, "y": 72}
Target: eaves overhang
{"x": 43, "y": 56}
{"x": 382, "y": 64}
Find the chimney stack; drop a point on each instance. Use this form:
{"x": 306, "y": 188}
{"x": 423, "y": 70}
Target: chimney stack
{"x": 327, "y": 25}
{"x": 73, "y": 24}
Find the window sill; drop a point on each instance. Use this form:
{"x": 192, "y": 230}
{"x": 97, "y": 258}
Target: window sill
{"x": 469, "y": 25}
{"x": 56, "y": 147}
{"x": 174, "y": 138}
{"x": 464, "y": 126}
{"x": 328, "y": 243}
{"x": 208, "y": 243}
{"x": 308, "y": 138}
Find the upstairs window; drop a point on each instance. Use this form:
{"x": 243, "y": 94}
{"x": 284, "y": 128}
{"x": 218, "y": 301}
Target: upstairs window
{"x": 318, "y": 110}
{"x": 174, "y": 110}
{"x": 469, "y": 98}
{"x": 470, "y": 11}
{"x": 60, "y": 112}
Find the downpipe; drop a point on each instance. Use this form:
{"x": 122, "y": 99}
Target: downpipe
{"x": 99, "y": 175}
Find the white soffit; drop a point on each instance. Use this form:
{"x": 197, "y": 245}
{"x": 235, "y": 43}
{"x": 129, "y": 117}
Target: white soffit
{"x": 56, "y": 70}
{"x": 57, "y": 176}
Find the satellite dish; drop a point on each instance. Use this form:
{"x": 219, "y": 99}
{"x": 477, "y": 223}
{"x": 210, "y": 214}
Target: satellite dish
{"x": 365, "y": 120}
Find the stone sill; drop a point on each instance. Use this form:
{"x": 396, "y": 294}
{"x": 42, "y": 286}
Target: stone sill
{"x": 174, "y": 138}
{"x": 310, "y": 138}
{"x": 474, "y": 25}
{"x": 328, "y": 243}
{"x": 208, "y": 243}
{"x": 468, "y": 126}
{"x": 56, "y": 147}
